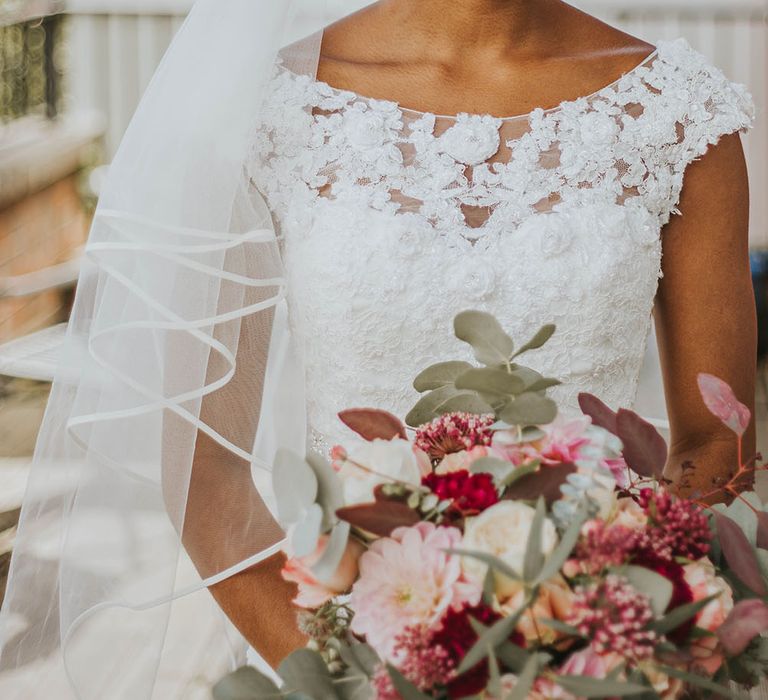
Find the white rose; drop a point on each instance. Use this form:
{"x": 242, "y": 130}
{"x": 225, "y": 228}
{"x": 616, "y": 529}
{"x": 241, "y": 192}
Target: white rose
{"x": 503, "y": 531}
{"x": 377, "y": 462}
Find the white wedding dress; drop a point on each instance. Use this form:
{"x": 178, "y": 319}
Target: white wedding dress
{"x": 393, "y": 220}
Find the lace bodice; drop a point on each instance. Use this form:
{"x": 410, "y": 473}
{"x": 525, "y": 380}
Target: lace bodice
{"x": 393, "y": 220}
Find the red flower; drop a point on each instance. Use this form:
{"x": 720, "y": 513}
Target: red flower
{"x": 470, "y": 493}
{"x": 457, "y": 637}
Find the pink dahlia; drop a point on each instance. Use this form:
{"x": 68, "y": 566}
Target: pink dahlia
{"x": 562, "y": 442}
{"x": 454, "y": 432}
{"x": 470, "y": 493}
{"x": 407, "y": 580}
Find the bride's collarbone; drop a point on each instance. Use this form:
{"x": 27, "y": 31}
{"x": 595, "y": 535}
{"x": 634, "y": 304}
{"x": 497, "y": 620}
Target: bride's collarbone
{"x": 499, "y": 90}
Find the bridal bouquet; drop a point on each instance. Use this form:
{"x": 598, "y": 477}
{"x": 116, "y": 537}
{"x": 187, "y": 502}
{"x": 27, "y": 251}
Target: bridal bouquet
{"x": 498, "y": 550}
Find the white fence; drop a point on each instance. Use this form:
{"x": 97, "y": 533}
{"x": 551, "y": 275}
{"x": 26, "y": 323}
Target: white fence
{"x": 116, "y": 45}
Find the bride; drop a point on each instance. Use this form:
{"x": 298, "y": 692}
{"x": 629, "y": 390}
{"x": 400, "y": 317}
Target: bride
{"x": 289, "y": 229}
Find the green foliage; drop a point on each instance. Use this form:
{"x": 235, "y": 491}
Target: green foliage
{"x": 514, "y": 394}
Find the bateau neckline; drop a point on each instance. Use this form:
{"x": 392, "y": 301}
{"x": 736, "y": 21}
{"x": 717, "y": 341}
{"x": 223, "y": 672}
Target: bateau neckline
{"x": 649, "y": 59}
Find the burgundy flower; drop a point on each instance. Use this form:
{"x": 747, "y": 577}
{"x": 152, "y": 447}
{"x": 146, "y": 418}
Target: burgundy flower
{"x": 457, "y": 637}
{"x": 454, "y": 432}
{"x": 676, "y": 527}
{"x": 470, "y": 493}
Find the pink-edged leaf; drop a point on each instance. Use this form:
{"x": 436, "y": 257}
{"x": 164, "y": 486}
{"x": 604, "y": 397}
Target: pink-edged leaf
{"x": 722, "y": 402}
{"x": 379, "y": 518}
{"x": 645, "y": 450}
{"x": 762, "y": 529}
{"x": 373, "y": 423}
{"x": 747, "y": 619}
{"x": 740, "y": 554}
{"x": 602, "y": 415}
{"x": 546, "y": 482}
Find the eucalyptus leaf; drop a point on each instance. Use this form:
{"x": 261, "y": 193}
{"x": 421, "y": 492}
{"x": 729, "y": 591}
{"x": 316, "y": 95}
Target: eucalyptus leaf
{"x": 465, "y": 402}
{"x": 500, "y": 469}
{"x": 563, "y": 550}
{"x": 586, "y": 687}
{"x": 489, "y": 587}
{"x": 490, "y": 380}
{"x": 534, "y": 557}
{"x": 658, "y": 588}
{"x": 529, "y": 409}
{"x": 425, "y": 409}
{"x": 407, "y": 690}
{"x": 484, "y": 333}
{"x": 439, "y": 375}
{"x": 560, "y": 626}
{"x": 494, "y": 676}
{"x": 353, "y": 686}
{"x": 543, "y": 384}
{"x": 325, "y": 567}
{"x": 702, "y": 682}
{"x": 680, "y": 615}
{"x": 306, "y": 532}
{"x": 329, "y": 488}
{"x": 295, "y": 486}
{"x": 246, "y": 683}
{"x": 360, "y": 657}
{"x": 305, "y": 671}
{"x": 542, "y": 336}
{"x": 493, "y": 562}
{"x": 525, "y": 680}
{"x": 512, "y": 656}
{"x": 518, "y": 473}
{"x": 489, "y": 637}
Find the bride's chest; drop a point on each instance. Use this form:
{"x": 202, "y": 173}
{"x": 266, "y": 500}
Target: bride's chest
{"x": 472, "y": 175}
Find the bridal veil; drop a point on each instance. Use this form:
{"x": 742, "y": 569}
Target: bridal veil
{"x": 178, "y": 379}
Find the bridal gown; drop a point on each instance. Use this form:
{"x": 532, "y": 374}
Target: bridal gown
{"x": 393, "y": 220}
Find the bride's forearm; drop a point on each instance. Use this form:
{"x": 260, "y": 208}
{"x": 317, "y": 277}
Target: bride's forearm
{"x": 712, "y": 465}
{"x": 258, "y": 601}
{"x": 225, "y": 522}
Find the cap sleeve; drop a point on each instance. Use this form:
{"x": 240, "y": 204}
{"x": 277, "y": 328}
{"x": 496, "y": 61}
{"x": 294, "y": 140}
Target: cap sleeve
{"x": 704, "y": 104}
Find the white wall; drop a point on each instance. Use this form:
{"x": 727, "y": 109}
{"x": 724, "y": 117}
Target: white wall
{"x": 116, "y": 45}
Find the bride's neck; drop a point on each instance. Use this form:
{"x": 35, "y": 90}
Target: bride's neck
{"x": 485, "y": 24}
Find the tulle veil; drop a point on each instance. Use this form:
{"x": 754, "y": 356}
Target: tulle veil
{"x": 177, "y": 383}
{"x": 178, "y": 352}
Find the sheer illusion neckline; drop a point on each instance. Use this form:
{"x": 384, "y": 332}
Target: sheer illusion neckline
{"x": 648, "y": 60}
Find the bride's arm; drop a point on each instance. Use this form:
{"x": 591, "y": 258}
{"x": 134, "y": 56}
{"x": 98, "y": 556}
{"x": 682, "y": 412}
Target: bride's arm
{"x": 225, "y": 519}
{"x": 257, "y": 600}
{"x": 705, "y": 313}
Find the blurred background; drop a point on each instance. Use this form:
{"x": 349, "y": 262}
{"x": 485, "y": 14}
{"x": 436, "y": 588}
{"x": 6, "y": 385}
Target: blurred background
{"x": 71, "y": 74}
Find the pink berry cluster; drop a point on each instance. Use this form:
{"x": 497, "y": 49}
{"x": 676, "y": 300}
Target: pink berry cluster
{"x": 613, "y": 616}
{"x": 454, "y": 432}
{"x": 676, "y": 527}
{"x": 424, "y": 664}
{"x": 603, "y": 546}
